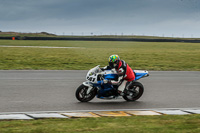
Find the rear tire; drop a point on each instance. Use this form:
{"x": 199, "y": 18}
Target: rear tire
{"x": 134, "y": 92}
{"x": 81, "y": 93}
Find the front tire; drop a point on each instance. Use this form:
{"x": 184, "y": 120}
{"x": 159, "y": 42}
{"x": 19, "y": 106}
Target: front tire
{"x": 134, "y": 92}
{"x": 81, "y": 93}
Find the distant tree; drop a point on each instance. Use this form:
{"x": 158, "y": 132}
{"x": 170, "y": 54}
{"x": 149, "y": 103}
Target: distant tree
{"x": 46, "y": 33}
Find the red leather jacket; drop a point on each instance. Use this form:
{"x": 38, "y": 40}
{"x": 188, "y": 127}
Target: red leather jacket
{"x": 123, "y": 69}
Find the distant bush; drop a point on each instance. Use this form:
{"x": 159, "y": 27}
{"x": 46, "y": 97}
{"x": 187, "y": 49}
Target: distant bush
{"x": 46, "y": 33}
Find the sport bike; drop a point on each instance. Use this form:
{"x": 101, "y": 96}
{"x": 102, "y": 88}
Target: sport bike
{"x": 95, "y": 86}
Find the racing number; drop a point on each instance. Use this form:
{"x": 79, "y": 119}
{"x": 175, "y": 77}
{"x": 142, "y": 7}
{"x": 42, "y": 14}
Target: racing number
{"x": 91, "y": 79}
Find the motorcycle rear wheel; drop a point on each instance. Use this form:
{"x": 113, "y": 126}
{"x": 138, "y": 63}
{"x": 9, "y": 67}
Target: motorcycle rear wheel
{"x": 134, "y": 92}
{"x": 81, "y": 93}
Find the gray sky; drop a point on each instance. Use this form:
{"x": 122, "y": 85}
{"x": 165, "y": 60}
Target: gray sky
{"x": 178, "y": 18}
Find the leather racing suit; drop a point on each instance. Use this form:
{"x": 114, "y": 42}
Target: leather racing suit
{"x": 125, "y": 75}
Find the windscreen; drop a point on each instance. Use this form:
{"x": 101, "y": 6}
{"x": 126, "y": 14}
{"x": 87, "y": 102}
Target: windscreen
{"x": 94, "y": 70}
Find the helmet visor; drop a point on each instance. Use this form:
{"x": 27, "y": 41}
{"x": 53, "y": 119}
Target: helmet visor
{"x": 113, "y": 64}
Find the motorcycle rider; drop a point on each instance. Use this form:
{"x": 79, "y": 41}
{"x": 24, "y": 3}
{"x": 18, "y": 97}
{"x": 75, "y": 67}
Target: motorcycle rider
{"x": 124, "y": 71}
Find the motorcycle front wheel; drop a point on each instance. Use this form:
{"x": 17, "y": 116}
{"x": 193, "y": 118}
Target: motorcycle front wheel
{"x": 134, "y": 91}
{"x": 81, "y": 93}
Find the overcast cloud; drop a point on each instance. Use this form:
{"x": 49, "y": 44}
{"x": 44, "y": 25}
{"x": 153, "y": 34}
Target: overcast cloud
{"x": 83, "y": 17}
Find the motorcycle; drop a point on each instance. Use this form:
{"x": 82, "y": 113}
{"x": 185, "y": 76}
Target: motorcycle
{"x": 95, "y": 86}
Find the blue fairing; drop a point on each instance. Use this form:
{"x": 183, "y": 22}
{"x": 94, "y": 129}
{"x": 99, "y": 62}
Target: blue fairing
{"x": 115, "y": 76}
{"x": 139, "y": 75}
{"x": 110, "y": 76}
{"x": 106, "y": 88}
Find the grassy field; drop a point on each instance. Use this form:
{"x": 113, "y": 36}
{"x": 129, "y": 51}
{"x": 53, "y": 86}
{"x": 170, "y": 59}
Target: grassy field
{"x": 139, "y": 55}
{"x": 45, "y": 34}
{"x": 133, "y": 124}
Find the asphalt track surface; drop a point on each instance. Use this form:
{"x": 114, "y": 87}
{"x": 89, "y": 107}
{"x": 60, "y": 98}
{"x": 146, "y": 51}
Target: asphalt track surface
{"x": 28, "y": 91}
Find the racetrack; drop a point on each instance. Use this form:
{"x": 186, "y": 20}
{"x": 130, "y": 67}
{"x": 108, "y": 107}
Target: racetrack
{"x": 26, "y": 91}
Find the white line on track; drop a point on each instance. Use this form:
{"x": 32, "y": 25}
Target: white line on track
{"x": 35, "y": 47}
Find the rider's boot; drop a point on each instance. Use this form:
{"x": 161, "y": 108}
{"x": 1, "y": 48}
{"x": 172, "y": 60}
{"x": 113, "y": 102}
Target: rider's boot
{"x": 120, "y": 93}
{"x": 121, "y": 88}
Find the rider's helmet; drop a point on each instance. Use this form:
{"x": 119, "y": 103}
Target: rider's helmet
{"x": 113, "y": 61}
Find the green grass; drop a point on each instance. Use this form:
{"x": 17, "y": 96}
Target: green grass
{"x": 139, "y": 55}
{"x": 133, "y": 124}
{"x": 45, "y": 34}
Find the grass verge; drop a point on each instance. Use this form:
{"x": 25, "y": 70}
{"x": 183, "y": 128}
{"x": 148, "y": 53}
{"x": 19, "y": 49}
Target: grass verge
{"x": 139, "y": 55}
{"x": 137, "y": 124}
